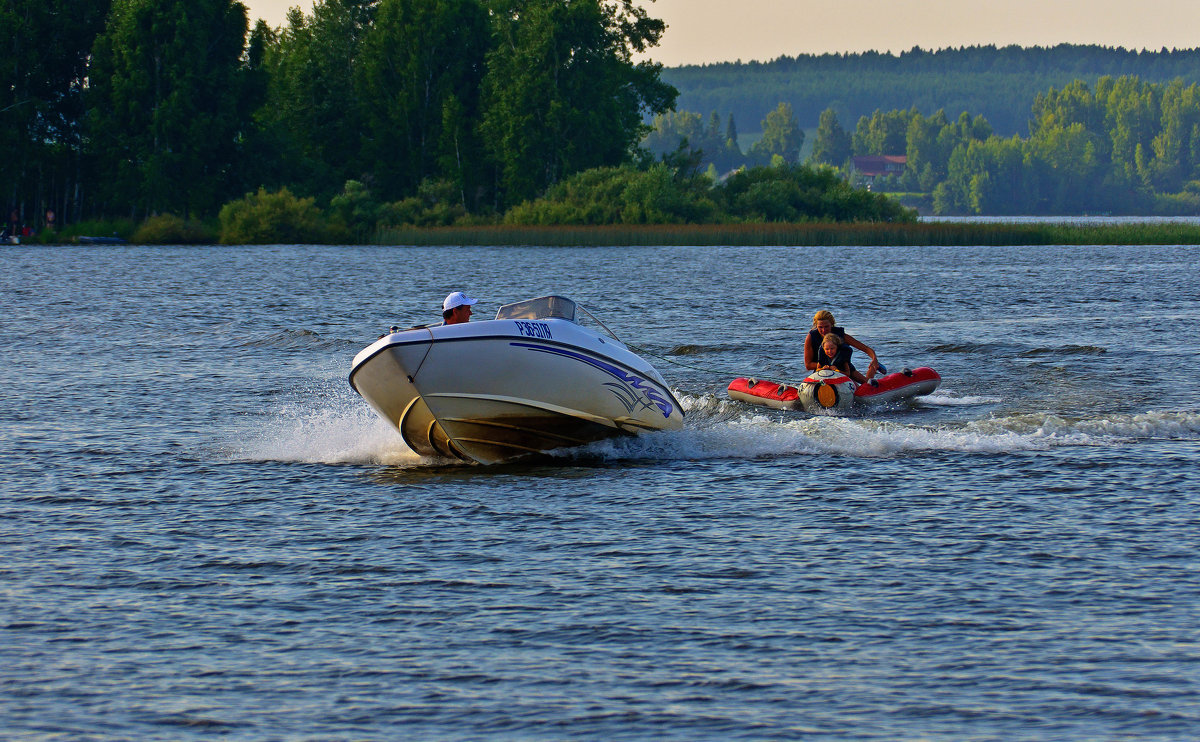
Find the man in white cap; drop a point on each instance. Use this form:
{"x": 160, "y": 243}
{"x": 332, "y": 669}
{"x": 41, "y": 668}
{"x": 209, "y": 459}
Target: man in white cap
{"x": 457, "y": 308}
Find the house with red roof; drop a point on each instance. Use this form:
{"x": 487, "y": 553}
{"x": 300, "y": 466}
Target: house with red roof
{"x": 869, "y": 167}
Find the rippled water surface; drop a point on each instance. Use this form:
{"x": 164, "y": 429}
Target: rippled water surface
{"x": 207, "y": 535}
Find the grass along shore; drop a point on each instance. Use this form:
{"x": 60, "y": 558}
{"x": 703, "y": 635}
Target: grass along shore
{"x": 939, "y": 234}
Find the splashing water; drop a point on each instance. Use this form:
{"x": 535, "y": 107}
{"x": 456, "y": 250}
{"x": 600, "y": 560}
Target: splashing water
{"x": 341, "y": 429}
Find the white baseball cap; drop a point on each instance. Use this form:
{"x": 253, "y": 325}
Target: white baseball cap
{"x": 457, "y": 299}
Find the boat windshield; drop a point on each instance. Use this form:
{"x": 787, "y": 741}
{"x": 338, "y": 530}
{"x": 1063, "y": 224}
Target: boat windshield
{"x": 544, "y": 307}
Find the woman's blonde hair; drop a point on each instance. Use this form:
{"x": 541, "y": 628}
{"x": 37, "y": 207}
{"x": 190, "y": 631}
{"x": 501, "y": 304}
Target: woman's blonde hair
{"x": 823, "y": 314}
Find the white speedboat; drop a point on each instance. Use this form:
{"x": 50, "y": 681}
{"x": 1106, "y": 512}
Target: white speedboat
{"x": 531, "y": 380}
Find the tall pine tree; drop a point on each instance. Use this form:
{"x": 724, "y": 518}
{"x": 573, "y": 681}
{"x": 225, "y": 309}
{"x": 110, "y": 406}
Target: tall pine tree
{"x": 168, "y": 103}
{"x": 418, "y": 79}
{"x": 42, "y": 74}
{"x": 562, "y": 93}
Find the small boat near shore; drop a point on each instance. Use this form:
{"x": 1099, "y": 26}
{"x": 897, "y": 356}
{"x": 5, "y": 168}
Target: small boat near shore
{"x": 531, "y": 380}
{"x": 830, "y": 392}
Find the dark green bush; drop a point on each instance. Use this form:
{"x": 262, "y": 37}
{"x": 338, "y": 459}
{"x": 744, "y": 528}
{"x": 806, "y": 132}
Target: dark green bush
{"x": 798, "y": 193}
{"x": 168, "y": 229}
{"x": 355, "y": 210}
{"x": 437, "y": 204}
{"x": 621, "y": 195}
{"x": 267, "y": 218}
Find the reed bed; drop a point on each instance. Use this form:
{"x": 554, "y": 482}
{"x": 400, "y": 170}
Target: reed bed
{"x": 947, "y": 234}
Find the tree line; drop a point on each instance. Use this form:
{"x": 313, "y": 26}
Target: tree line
{"x": 432, "y": 111}
{"x": 1123, "y": 146}
{"x": 995, "y": 82}
{"x": 137, "y": 107}
{"x": 716, "y": 144}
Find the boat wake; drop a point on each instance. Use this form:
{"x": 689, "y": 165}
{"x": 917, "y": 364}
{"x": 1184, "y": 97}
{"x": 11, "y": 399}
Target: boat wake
{"x": 945, "y": 398}
{"x": 340, "y": 429}
{"x": 721, "y": 429}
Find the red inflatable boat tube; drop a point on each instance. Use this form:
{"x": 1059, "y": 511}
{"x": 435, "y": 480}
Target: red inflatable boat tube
{"x": 889, "y": 388}
{"x": 902, "y": 384}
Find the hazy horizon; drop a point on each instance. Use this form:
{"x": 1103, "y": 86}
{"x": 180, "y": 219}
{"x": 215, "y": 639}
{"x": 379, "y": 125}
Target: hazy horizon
{"x": 698, "y": 31}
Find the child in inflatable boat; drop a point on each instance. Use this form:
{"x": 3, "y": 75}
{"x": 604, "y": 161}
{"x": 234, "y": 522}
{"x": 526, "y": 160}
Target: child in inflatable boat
{"x": 837, "y": 356}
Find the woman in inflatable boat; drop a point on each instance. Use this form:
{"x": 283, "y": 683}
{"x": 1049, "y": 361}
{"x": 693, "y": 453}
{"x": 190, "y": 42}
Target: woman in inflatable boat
{"x": 814, "y": 352}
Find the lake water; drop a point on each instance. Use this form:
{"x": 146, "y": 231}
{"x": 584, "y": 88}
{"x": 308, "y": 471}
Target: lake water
{"x": 207, "y": 535}
{"x": 1099, "y": 220}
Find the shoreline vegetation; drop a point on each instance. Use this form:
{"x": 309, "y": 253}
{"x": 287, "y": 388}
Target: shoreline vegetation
{"x": 940, "y": 234}
{"x": 807, "y": 234}
{"x": 367, "y": 114}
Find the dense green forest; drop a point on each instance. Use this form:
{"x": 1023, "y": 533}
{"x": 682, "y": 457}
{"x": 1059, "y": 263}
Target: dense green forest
{"x": 362, "y": 114}
{"x": 996, "y": 83}
{"x": 136, "y": 107}
{"x": 368, "y": 113}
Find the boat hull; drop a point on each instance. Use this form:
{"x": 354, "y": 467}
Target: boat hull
{"x": 499, "y": 389}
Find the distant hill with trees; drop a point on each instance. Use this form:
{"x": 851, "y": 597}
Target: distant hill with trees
{"x": 1120, "y": 146}
{"x": 998, "y": 83}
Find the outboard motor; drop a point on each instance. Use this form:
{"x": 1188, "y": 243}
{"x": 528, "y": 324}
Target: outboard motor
{"x": 827, "y": 391}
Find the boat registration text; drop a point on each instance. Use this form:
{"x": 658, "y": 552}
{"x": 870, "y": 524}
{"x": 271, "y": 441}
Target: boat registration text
{"x": 534, "y": 330}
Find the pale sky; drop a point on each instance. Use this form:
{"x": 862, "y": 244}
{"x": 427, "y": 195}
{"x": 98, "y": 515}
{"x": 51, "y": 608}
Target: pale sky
{"x": 726, "y": 30}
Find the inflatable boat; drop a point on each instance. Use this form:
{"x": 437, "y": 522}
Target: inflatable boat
{"x": 828, "y": 391}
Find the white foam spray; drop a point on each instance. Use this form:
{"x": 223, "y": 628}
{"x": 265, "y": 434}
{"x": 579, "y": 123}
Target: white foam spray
{"x": 947, "y": 398}
{"x": 339, "y": 427}
{"x": 326, "y": 428}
